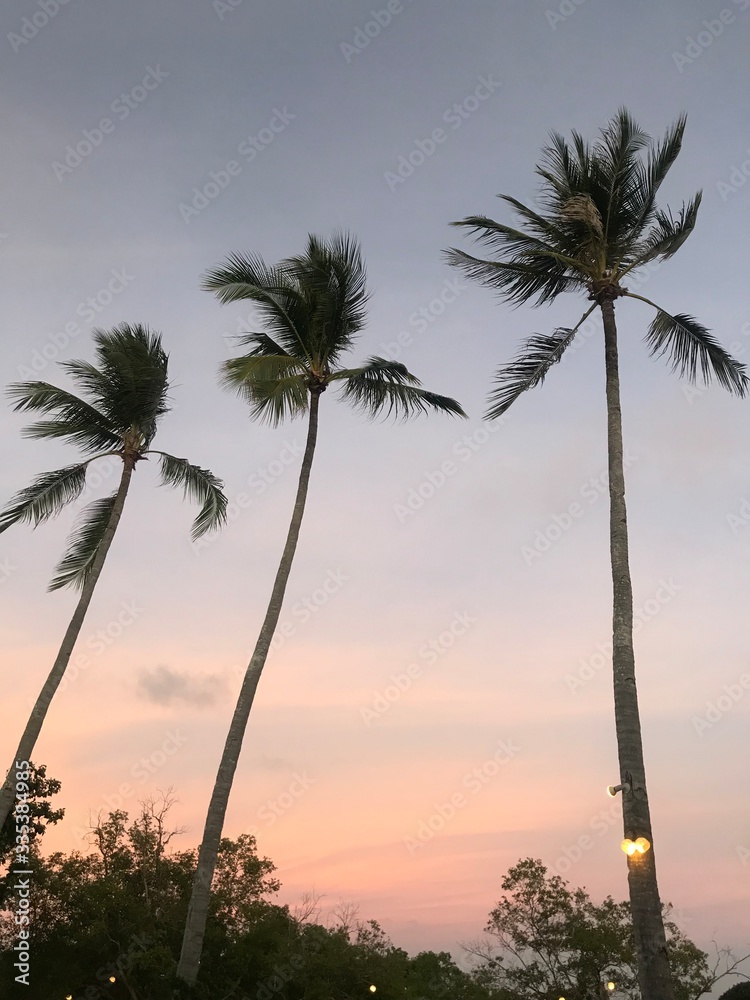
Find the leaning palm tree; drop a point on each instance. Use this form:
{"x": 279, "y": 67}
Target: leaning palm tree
{"x": 596, "y": 223}
{"x": 313, "y": 307}
{"x": 123, "y": 399}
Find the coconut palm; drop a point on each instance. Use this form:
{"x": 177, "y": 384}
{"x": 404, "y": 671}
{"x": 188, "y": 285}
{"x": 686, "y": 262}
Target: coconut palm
{"x": 313, "y": 306}
{"x": 122, "y": 400}
{"x": 596, "y": 223}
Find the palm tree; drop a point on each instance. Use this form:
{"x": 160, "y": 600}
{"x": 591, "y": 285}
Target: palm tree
{"x": 313, "y": 307}
{"x": 122, "y": 402}
{"x": 597, "y": 223}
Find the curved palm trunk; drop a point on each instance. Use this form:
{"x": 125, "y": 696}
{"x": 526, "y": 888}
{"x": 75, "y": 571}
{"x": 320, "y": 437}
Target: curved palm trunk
{"x": 648, "y": 927}
{"x": 195, "y": 927}
{"x": 39, "y": 711}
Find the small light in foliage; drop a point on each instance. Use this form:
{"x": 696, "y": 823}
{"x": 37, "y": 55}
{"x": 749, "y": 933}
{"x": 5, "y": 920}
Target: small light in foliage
{"x": 610, "y": 986}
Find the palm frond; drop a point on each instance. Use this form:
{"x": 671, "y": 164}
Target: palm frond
{"x": 259, "y": 367}
{"x": 332, "y": 277}
{"x": 75, "y": 419}
{"x": 262, "y": 344}
{"x": 510, "y": 240}
{"x": 387, "y": 388}
{"x": 666, "y": 234}
{"x": 693, "y": 350}
{"x": 530, "y": 366}
{"x": 641, "y": 197}
{"x": 247, "y": 276}
{"x": 199, "y": 485}
{"x": 271, "y": 400}
{"x": 133, "y": 385}
{"x": 518, "y": 282}
{"x": 45, "y": 497}
{"x": 83, "y": 544}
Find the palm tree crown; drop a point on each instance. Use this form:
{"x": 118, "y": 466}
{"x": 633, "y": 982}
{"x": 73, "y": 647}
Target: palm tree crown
{"x": 313, "y": 307}
{"x": 122, "y": 400}
{"x": 597, "y": 222}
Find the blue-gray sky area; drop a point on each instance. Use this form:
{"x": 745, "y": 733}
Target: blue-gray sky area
{"x": 143, "y": 143}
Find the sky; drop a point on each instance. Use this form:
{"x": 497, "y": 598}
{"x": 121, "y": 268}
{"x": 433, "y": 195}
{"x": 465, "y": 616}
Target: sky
{"x": 438, "y": 703}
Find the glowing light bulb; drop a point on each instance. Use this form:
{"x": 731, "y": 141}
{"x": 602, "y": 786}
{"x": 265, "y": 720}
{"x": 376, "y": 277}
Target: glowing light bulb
{"x": 610, "y": 986}
{"x": 642, "y": 845}
{"x": 372, "y": 989}
{"x": 112, "y": 979}
{"x": 629, "y": 847}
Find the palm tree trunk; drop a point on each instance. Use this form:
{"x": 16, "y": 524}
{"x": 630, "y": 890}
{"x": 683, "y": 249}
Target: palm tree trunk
{"x": 39, "y": 711}
{"x": 195, "y": 927}
{"x": 648, "y": 926}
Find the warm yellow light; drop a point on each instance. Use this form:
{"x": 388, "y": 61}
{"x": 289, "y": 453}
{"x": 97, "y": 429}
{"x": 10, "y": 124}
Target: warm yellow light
{"x": 69, "y": 997}
{"x": 372, "y": 989}
{"x": 610, "y": 986}
{"x": 638, "y": 846}
{"x": 112, "y": 979}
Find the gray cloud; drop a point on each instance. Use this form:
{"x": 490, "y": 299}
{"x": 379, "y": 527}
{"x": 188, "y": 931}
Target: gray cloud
{"x": 166, "y": 686}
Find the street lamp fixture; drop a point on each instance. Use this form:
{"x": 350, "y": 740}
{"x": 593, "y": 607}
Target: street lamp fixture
{"x": 612, "y": 790}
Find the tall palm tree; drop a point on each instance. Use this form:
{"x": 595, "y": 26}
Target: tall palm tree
{"x": 122, "y": 401}
{"x": 597, "y": 223}
{"x": 313, "y": 307}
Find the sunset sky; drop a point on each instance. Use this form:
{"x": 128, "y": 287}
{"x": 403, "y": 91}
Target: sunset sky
{"x": 446, "y": 623}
